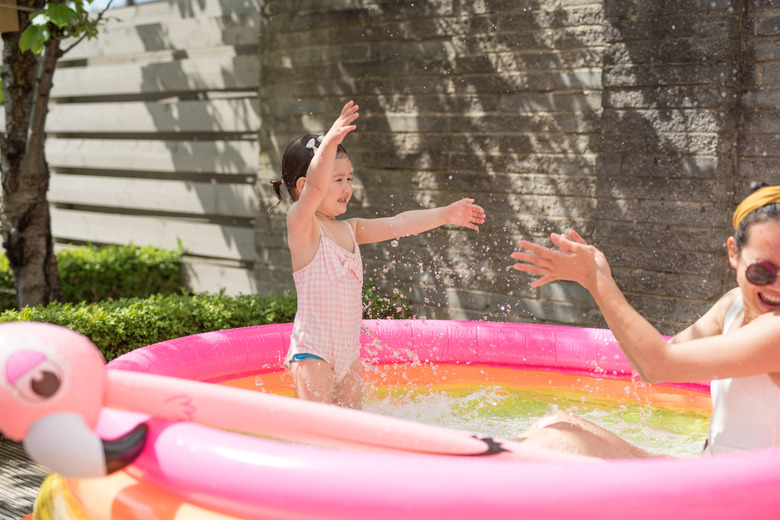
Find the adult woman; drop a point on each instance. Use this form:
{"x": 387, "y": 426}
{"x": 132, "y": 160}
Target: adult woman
{"x": 736, "y": 344}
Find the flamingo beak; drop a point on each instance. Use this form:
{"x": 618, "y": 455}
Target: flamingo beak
{"x": 124, "y": 450}
{"x": 64, "y": 444}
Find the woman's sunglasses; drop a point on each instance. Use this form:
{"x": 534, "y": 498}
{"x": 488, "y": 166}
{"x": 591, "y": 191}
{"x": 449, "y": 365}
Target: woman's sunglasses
{"x": 761, "y": 273}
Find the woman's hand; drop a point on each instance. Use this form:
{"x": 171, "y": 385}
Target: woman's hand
{"x": 464, "y": 213}
{"x": 575, "y": 260}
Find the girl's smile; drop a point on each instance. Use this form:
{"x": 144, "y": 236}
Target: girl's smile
{"x": 339, "y": 191}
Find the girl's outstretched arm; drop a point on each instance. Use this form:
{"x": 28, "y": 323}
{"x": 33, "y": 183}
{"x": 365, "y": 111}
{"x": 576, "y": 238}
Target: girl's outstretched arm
{"x": 462, "y": 213}
{"x": 701, "y": 352}
{"x": 300, "y": 217}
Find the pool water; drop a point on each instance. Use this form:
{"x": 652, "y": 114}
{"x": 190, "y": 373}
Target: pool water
{"x": 503, "y": 402}
{"x": 505, "y": 412}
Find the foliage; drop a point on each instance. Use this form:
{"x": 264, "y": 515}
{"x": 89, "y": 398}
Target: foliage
{"x": 119, "y": 326}
{"x": 7, "y": 290}
{"x": 376, "y": 305}
{"x": 65, "y": 20}
{"x": 91, "y": 273}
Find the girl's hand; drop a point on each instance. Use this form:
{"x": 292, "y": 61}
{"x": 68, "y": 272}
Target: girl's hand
{"x": 575, "y": 260}
{"x": 464, "y": 213}
{"x": 343, "y": 125}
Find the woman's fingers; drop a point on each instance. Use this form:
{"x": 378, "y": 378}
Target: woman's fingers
{"x": 568, "y": 244}
{"x": 534, "y": 247}
{"x": 576, "y": 237}
{"x": 531, "y": 262}
{"x": 543, "y": 280}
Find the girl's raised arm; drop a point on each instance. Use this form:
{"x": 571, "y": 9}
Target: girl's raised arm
{"x": 300, "y": 217}
{"x": 462, "y": 213}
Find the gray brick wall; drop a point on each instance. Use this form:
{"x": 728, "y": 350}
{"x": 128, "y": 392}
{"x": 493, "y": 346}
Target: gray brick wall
{"x": 759, "y": 145}
{"x": 665, "y": 186}
{"x": 637, "y": 123}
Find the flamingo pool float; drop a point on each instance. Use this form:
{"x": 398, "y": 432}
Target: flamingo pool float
{"x": 53, "y": 386}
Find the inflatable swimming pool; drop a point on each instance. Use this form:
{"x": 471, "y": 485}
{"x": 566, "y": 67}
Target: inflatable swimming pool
{"x": 350, "y": 467}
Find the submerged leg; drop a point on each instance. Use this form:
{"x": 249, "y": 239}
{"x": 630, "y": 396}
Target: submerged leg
{"x": 349, "y": 392}
{"x": 313, "y": 380}
{"x": 564, "y": 431}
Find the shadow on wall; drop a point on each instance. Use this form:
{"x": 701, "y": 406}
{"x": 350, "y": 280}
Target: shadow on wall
{"x": 615, "y": 118}
{"x": 666, "y": 170}
{"x": 502, "y": 105}
{"x": 208, "y": 112}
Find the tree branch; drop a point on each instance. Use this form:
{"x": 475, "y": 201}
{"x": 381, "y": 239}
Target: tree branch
{"x": 40, "y": 105}
{"x": 96, "y": 23}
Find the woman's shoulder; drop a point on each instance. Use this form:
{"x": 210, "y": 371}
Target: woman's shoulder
{"x": 728, "y": 299}
{"x": 721, "y": 307}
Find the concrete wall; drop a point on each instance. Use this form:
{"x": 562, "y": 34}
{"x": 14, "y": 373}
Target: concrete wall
{"x": 667, "y": 162}
{"x": 152, "y": 136}
{"x": 499, "y": 101}
{"x": 638, "y": 123}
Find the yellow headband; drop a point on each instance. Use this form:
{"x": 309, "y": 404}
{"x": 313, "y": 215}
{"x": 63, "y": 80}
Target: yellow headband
{"x": 760, "y": 197}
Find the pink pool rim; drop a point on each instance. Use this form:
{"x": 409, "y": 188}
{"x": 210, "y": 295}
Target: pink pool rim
{"x": 208, "y": 473}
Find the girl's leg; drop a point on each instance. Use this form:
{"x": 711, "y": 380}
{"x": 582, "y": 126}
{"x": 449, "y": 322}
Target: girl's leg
{"x": 563, "y": 431}
{"x": 313, "y": 380}
{"x": 349, "y": 392}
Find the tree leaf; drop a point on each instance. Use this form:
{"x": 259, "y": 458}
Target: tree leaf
{"x": 80, "y": 5}
{"x": 38, "y": 43}
{"x": 26, "y": 39}
{"x": 60, "y": 14}
{"x": 33, "y": 38}
{"x": 39, "y": 18}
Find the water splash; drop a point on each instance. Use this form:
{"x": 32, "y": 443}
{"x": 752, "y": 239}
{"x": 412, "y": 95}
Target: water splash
{"x": 505, "y": 412}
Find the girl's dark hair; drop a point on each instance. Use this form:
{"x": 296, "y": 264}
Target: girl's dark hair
{"x": 295, "y": 164}
{"x": 764, "y": 213}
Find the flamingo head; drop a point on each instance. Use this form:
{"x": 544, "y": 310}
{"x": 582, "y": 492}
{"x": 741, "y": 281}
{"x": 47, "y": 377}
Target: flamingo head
{"x": 47, "y": 369}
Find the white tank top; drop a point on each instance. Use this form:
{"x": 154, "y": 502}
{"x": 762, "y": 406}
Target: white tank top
{"x": 745, "y": 410}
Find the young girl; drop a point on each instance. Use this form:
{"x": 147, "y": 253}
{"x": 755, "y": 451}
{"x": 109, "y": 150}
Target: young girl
{"x": 326, "y": 262}
{"x": 736, "y": 344}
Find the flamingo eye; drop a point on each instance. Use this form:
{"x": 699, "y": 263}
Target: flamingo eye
{"x": 45, "y": 383}
{"x": 39, "y": 382}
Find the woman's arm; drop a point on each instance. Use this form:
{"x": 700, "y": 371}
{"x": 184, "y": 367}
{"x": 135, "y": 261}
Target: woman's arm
{"x": 462, "y": 213}
{"x": 701, "y": 352}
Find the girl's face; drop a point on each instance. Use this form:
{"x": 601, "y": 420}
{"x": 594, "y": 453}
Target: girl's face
{"x": 340, "y": 190}
{"x": 763, "y": 245}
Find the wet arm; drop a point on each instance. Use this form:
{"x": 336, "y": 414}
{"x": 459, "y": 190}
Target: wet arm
{"x": 700, "y": 352}
{"x": 320, "y": 172}
{"x": 461, "y": 213}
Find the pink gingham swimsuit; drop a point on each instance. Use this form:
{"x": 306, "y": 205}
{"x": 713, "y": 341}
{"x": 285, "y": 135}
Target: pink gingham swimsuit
{"x": 330, "y": 306}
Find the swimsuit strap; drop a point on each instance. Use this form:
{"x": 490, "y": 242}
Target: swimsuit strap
{"x": 351, "y": 231}
{"x": 731, "y": 314}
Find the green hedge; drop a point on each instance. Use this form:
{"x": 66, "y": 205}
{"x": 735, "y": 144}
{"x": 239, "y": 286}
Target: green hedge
{"x": 125, "y": 297}
{"x": 119, "y": 326}
{"x": 92, "y": 274}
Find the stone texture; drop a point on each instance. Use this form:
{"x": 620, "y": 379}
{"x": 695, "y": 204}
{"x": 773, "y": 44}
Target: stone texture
{"x": 638, "y": 123}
